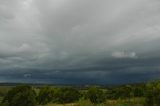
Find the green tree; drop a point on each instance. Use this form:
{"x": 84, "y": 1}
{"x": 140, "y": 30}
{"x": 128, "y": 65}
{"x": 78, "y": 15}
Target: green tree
{"x": 20, "y": 96}
{"x": 67, "y": 95}
{"x": 96, "y": 95}
{"x": 46, "y": 95}
{"x": 152, "y": 94}
{"x": 138, "y": 92}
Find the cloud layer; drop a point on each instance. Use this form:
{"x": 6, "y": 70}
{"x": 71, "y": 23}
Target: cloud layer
{"x": 75, "y": 41}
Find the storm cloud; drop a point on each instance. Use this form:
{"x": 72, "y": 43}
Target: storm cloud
{"x": 79, "y": 41}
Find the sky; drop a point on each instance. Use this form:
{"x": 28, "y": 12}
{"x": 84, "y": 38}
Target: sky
{"x": 79, "y": 41}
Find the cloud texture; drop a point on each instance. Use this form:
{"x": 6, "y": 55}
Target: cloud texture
{"x": 75, "y": 41}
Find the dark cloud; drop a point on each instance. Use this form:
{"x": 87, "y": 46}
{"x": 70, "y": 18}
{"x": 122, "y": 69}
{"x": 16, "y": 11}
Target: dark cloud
{"x": 73, "y": 41}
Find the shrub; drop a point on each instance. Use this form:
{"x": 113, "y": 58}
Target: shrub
{"x": 20, "y": 96}
{"x": 152, "y": 94}
{"x": 138, "y": 92}
{"x": 96, "y": 95}
{"x": 67, "y": 95}
{"x": 85, "y": 102}
{"x": 46, "y": 95}
{"x": 4, "y": 90}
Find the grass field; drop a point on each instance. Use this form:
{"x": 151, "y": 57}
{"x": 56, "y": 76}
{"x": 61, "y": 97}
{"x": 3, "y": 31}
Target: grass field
{"x": 72, "y": 104}
{"x": 120, "y": 102}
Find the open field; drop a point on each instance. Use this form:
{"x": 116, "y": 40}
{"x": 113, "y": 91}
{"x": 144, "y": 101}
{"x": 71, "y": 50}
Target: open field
{"x": 124, "y": 102}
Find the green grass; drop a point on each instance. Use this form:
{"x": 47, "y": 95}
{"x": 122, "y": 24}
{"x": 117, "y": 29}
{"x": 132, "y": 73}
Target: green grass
{"x": 71, "y": 104}
{"x": 119, "y": 102}
{"x": 3, "y": 92}
{"x": 126, "y": 102}
{"x": 1, "y": 98}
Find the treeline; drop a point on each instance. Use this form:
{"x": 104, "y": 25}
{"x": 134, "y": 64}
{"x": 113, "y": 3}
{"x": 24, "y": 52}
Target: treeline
{"x": 26, "y": 95}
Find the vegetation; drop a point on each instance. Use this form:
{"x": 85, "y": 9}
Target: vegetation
{"x": 125, "y": 95}
{"x": 67, "y": 95}
{"x": 152, "y": 94}
{"x": 96, "y": 95}
{"x": 46, "y": 95}
{"x": 20, "y": 96}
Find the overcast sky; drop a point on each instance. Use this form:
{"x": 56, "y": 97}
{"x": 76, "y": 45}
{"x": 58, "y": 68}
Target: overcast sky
{"x": 79, "y": 41}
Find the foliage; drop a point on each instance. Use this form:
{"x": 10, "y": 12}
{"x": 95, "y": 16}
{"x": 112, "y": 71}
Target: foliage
{"x": 67, "y": 95}
{"x": 152, "y": 93}
{"x": 125, "y": 91}
{"x": 138, "y": 91}
{"x": 4, "y": 90}
{"x": 20, "y": 96}
{"x": 84, "y": 102}
{"x": 96, "y": 95}
{"x": 46, "y": 95}
{"x": 125, "y": 95}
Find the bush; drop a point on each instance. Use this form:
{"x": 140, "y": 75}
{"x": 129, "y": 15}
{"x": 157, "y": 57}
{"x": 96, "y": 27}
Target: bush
{"x": 96, "y": 95}
{"x": 85, "y": 102}
{"x": 20, "y": 96}
{"x": 67, "y": 95}
{"x": 46, "y": 95}
{"x": 152, "y": 94}
{"x": 138, "y": 92}
{"x": 4, "y": 90}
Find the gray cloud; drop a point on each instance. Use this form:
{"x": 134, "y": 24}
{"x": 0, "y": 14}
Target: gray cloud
{"x": 73, "y": 39}
{"x": 122, "y": 54}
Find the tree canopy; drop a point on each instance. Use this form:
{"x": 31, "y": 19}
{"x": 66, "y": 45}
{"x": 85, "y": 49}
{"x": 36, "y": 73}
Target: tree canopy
{"x": 20, "y": 96}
